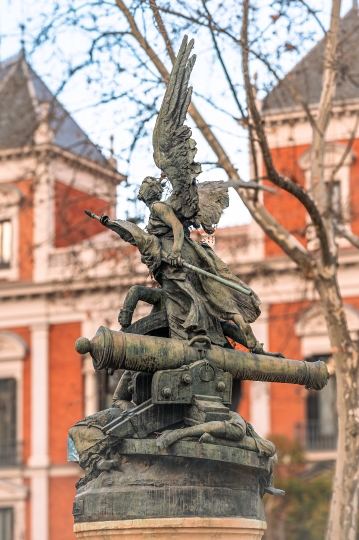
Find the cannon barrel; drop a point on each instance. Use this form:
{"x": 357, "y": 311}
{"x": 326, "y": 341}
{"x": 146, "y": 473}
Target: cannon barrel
{"x": 112, "y": 349}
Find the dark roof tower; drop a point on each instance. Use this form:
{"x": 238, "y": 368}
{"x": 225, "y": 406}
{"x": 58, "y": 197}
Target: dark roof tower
{"x": 306, "y": 77}
{"x": 27, "y": 106}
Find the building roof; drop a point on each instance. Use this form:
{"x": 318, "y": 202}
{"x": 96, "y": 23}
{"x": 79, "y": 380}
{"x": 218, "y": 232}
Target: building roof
{"x": 306, "y": 77}
{"x": 27, "y": 105}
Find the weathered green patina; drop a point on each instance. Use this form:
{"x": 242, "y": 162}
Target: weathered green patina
{"x": 170, "y": 445}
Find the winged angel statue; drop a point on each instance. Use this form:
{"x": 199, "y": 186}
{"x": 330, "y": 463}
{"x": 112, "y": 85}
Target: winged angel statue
{"x": 196, "y": 304}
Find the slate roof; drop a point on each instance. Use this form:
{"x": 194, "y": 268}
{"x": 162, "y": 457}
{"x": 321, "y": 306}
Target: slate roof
{"x": 307, "y": 75}
{"x": 23, "y": 99}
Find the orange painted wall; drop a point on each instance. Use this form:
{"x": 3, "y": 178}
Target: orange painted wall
{"x": 65, "y": 387}
{"x": 283, "y": 206}
{"x": 244, "y": 407}
{"x": 352, "y": 302}
{"x": 287, "y": 400}
{"x": 71, "y": 224}
{"x": 61, "y": 496}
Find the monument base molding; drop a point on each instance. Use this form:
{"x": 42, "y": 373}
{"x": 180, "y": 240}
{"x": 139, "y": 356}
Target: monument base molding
{"x": 191, "y": 528}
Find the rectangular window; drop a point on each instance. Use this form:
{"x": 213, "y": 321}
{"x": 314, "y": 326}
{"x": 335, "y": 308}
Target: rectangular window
{"x": 8, "y": 444}
{"x": 6, "y": 524}
{"x": 336, "y": 202}
{"x": 322, "y": 417}
{"x": 5, "y": 243}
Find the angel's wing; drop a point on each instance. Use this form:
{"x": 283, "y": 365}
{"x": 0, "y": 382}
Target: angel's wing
{"x": 213, "y": 199}
{"x": 173, "y": 148}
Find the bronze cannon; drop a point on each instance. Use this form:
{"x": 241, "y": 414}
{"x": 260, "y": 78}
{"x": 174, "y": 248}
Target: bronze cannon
{"x": 112, "y": 350}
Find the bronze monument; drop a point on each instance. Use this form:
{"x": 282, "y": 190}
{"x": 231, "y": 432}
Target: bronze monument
{"x": 170, "y": 445}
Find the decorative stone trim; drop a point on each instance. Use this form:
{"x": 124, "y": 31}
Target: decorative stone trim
{"x": 194, "y": 528}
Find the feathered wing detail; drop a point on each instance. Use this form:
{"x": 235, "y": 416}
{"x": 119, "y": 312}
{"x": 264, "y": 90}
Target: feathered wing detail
{"x": 213, "y": 199}
{"x": 173, "y": 148}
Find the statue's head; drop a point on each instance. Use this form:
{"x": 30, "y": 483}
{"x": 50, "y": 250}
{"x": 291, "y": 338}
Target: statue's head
{"x": 150, "y": 191}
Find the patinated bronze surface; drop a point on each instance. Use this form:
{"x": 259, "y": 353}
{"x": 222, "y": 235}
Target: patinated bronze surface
{"x": 170, "y": 445}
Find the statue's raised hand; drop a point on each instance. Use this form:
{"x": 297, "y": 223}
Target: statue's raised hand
{"x": 104, "y": 219}
{"x": 174, "y": 258}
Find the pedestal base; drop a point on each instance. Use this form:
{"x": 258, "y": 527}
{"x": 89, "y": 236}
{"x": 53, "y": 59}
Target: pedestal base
{"x": 173, "y": 529}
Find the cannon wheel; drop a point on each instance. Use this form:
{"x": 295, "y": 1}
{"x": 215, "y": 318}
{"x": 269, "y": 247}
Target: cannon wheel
{"x": 155, "y": 324}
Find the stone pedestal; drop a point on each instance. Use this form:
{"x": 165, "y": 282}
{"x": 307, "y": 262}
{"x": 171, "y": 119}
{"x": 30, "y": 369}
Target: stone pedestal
{"x": 173, "y": 529}
{"x": 189, "y": 490}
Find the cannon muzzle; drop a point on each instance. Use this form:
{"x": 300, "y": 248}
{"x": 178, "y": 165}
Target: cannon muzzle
{"x": 112, "y": 349}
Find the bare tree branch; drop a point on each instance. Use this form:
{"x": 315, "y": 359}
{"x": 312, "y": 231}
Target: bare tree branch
{"x": 347, "y": 149}
{"x": 278, "y": 179}
{"x": 223, "y": 160}
{"x": 314, "y": 13}
{"x": 220, "y": 58}
{"x": 213, "y": 26}
{"x": 325, "y": 107}
{"x": 162, "y": 30}
{"x": 343, "y": 232}
{"x": 274, "y": 229}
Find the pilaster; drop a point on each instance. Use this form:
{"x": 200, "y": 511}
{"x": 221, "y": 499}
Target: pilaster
{"x": 90, "y": 381}
{"x": 43, "y": 222}
{"x": 259, "y": 396}
{"x": 39, "y": 460}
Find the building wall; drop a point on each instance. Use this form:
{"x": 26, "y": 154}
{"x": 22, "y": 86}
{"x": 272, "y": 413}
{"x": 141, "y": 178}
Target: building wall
{"x": 65, "y": 387}
{"x": 287, "y": 400}
{"x": 72, "y": 225}
{"x": 61, "y": 496}
{"x": 42, "y": 315}
{"x": 283, "y": 206}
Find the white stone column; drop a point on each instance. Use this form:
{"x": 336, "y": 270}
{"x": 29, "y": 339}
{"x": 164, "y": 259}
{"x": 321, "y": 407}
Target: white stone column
{"x": 90, "y": 387}
{"x": 91, "y": 402}
{"x": 39, "y": 459}
{"x": 43, "y": 222}
{"x": 259, "y": 393}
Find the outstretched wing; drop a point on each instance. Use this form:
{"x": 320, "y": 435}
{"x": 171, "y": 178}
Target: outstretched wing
{"x": 173, "y": 148}
{"x": 213, "y": 199}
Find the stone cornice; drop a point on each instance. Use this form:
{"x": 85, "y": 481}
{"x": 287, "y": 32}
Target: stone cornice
{"x": 21, "y": 290}
{"x": 51, "y": 150}
{"x": 290, "y": 115}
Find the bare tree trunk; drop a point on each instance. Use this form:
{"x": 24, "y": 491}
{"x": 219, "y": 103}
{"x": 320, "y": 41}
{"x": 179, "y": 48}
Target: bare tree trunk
{"x": 318, "y": 185}
{"x": 344, "y": 505}
{"x": 324, "y": 109}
